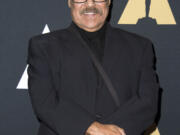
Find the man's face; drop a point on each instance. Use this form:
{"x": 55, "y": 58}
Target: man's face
{"x": 90, "y": 15}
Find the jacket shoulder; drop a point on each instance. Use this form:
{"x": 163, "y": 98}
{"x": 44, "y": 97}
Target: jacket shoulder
{"x": 135, "y": 45}
{"x": 55, "y": 34}
{"x": 131, "y": 39}
{"x": 49, "y": 40}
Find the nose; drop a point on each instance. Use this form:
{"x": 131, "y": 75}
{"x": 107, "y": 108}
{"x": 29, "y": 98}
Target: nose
{"x": 90, "y": 2}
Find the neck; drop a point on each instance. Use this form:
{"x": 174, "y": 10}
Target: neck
{"x": 90, "y": 29}
{"x": 91, "y": 35}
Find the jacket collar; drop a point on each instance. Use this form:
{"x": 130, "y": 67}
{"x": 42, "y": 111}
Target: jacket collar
{"x": 91, "y": 35}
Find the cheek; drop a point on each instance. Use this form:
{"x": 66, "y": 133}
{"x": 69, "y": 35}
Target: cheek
{"x": 75, "y": 14}
{"x": 104, "y": 10}
{"x": 104, "y": 14}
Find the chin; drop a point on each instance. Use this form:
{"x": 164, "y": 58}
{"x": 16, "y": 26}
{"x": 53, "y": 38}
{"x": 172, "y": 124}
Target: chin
{"x": 91, "y": 25}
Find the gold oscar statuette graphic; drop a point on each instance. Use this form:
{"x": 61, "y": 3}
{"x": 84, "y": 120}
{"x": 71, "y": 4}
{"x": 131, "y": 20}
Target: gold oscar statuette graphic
{"x": 152, "y": 130}
{"x": 156, "y": 132}
{"x": 158, "y": 10}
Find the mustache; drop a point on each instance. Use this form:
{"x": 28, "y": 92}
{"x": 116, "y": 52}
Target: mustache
{"x": 91, "y": 9}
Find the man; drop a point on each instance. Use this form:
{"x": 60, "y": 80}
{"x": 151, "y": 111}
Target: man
{"x": 68, "y": 94}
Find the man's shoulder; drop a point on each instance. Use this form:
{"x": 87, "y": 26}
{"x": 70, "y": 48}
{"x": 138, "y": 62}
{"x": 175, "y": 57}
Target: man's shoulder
{"x": 130, "y": 38}
{"x": 47, "y": 40}
{"x": 55, "y": 34}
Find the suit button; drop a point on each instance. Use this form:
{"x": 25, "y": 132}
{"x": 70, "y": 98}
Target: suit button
{"x": 98, "y": 116}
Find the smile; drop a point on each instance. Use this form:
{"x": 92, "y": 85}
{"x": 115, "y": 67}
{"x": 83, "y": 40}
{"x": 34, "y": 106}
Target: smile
{"x": 90, "y": 13}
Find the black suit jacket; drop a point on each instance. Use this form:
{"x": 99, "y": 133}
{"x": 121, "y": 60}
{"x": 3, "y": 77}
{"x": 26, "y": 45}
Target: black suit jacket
{"x": 62, "y": 82}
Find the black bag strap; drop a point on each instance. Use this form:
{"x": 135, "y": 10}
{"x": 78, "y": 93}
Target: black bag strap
{"x": 100, "y": 68}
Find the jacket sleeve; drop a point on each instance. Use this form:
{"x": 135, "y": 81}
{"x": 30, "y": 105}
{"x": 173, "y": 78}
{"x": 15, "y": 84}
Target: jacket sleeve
{"x": 137, "y": 114}
{"x": 61, "y": 115}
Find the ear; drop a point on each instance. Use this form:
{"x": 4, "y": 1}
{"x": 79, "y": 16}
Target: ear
{"x": 109, "y": 2}
{"x": 69, "y": 3}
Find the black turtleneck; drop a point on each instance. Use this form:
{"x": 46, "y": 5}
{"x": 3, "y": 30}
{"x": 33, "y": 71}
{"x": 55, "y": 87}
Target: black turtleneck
{"x": 96, "y": 41}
